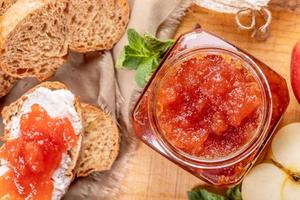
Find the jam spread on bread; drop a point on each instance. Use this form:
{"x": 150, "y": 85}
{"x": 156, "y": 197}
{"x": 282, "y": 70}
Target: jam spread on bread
{"x": 35, "y": 155}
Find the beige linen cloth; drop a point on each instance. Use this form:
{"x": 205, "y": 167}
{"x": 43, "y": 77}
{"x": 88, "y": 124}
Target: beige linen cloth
{"x": 95, "y": 80}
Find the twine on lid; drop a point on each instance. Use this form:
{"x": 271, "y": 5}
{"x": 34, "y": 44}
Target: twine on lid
{"x": 258, "y": 32}
{"x": 254, "y": 9}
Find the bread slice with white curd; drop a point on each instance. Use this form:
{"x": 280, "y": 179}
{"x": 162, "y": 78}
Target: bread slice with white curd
{"x": 58, "y": 102}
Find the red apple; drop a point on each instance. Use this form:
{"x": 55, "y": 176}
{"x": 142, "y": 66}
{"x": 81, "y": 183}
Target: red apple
{"x": 295, "y": 70}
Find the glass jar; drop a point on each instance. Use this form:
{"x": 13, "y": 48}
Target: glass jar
{"x": 235, "y": 148}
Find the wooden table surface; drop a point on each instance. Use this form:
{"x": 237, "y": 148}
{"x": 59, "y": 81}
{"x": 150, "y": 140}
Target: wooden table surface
{"x": 152, "y": 177}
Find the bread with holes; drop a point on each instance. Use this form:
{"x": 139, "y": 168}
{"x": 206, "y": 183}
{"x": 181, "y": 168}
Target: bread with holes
{"x": 33, "y": 38}
{"x": 67, "y": 105}
{"x": 35, "y": 34}
{"x": 96, "y": 24}
{"x": 100, "y": 144}
{"x": 6, "y": 83}
{"x": 6, "y": 4}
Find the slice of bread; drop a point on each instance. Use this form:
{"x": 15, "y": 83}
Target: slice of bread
{"x": 6, "y": 4}
{"x": 33, "y": 38}
{"x": 96, "y": 24}
{"x": 6, "y": 83}
{"x": 35, "y": 34}
{"x": 63, "y": 176}
{"x": 100, "y": 144}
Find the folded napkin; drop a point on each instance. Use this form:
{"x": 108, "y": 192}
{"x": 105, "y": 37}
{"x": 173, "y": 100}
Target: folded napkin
{"x": 94, "y": 78}
{"x": 117, "y": 92}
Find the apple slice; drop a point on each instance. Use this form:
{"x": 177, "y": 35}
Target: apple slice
{"x": 285, "y": 147}
{"x": 295, "y": 71}
{"x": 264, "y": 182}
{"x": 291, "y": 190}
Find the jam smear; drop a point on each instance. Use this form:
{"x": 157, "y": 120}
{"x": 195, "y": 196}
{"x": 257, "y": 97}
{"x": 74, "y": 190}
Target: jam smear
{"x": 35, "y": 155}
{"x": 209, "y": 106}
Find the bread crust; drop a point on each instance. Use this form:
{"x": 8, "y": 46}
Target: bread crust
{"x": 6, "y": 4}
{"x": 97, "y": 122}
{"x": 6, "y": 83}
{"x": 14, "y": 109}
{"x": 16, "y": 14}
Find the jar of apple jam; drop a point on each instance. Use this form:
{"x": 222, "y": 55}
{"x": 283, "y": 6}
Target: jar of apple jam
{"x": 210, "y": 108}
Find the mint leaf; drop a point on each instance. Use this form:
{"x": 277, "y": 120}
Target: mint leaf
{"x": 143, "y": 73}
{"x": 143, "y": 53}
{"x": 203, "y": 194}
{"x": 121, "y": 59}
{"x": 135, "y": 40}
{"x": 234, "y": 193}
{"x": 157, "y": 45}
{"x": 133, "y": 58}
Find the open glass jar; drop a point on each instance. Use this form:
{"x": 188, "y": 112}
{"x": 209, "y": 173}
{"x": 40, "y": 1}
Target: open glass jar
{"x": 210, "y": 108}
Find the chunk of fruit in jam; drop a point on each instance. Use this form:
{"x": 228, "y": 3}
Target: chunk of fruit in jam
{"x": 209, "y": 105}
{"x": 35, "y": 155}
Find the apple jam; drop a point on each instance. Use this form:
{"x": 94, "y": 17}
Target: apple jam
{"x": 210, "y": 108}
{"x": 35, "y": 155}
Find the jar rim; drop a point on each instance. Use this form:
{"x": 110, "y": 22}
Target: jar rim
{"x": 245, "y": 150}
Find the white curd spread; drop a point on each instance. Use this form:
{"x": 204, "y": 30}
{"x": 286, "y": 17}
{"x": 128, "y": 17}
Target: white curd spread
{"x": 57, "y": 103}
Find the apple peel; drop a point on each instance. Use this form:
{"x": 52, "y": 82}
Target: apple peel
{"x": 295, "y": 70}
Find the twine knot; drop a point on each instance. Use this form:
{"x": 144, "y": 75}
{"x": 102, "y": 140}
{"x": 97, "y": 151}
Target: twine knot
{"x": 258, "y": 32}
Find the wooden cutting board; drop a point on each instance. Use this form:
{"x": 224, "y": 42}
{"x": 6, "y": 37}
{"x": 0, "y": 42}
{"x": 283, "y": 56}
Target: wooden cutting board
{"x": 152, "y": 177}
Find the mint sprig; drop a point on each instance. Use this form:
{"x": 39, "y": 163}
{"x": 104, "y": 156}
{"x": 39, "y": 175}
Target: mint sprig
{"x": 203, "y": 194}
{"x": 143, "y": 54}
{"x": 234, "y": 193}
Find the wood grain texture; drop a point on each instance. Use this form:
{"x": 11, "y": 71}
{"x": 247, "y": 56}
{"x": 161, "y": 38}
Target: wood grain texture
{"x": 152, "y": 177}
